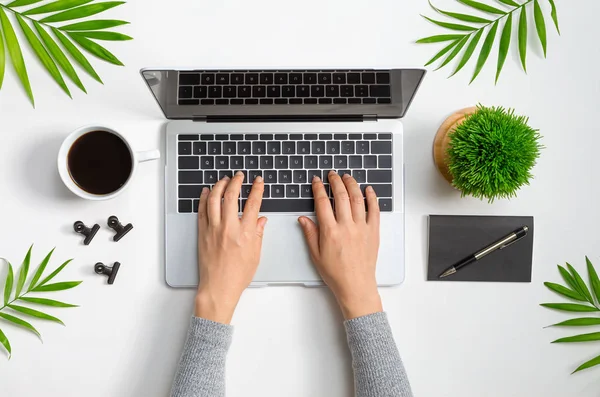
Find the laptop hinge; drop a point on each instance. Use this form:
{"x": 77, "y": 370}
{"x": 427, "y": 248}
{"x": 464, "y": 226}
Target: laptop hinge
{"x": 283, "y": 118}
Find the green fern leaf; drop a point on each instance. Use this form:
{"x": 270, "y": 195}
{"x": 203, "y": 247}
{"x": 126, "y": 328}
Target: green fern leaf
{"x": 482, "y": 7}
{"x": 93, "y": 25}
{"x": 454, "y": 52}
{"x": 21, "y": 3}
{"x": 109, "y": 36}
{"x": 16, "y": 56}
{"x": 442, "y": 52}
{"x": 509, "y": 3}
{"x": 468, "y": 52}
{"x": 8, "y": 284}
{"x": 540, "y": 25}
{"x": 82, "y": 12}
{"x": 56, "y": 6}
{"x": 523, "y": 38}
{"x": 440, "y": 38}
{"x": 21, "y": 323}
{"x": 589, "y": 364}
{"x": 95, "y": 48}
{"x": 594, "y": 280}
{"x": 35, "y": 313}
{"x": 451, "y": 26}
{"x": 77, "y": 55}
{"x": 40, "y": 270}
{"x": 554, "y": 15}
{"x": 2, "y": 58}
{"x": 485, "y": 50}
{"x": 504, "y": 45}
{"x": 581, "y": 284}
{"x": 461, "y": 17}
{"x": 23, "y": 272}
{"x": 4, "y": 341}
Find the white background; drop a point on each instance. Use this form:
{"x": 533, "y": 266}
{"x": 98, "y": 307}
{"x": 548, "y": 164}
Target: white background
{"x": 457, "y": 339}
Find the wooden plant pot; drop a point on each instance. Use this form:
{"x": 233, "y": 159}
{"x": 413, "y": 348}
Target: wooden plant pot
{"x": 442, "y": 140}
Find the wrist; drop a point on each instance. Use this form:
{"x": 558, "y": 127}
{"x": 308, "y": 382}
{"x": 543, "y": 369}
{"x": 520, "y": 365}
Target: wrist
{"x": 210, "y": 307}
{"x": 358, "y": 304}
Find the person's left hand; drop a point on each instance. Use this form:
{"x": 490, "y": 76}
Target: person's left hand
{"x": 228, "y": 246}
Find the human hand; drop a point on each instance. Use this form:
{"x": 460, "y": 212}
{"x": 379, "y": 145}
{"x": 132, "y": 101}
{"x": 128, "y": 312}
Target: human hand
{"x": 344, "y": 245}
{"x": 228, "y": 247}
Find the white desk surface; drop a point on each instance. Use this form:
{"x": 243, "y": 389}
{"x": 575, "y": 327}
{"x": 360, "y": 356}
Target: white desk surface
{"x": 456, "y": 339}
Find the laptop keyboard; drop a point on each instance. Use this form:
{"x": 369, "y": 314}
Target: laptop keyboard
{"x": 287, "y": 162}
{"x": 308, "y": 87}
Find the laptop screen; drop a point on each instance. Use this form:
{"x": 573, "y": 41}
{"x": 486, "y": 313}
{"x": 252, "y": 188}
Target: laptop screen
{"x": 283, "y": 94}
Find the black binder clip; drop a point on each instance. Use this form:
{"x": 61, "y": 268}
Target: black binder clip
{"x": 89, "y": 233}
{"x": 113, "y": 223}
{"x": 111, "y": 272}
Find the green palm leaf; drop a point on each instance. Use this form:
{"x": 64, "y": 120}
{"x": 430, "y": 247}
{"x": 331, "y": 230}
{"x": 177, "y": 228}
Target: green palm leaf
{"x": 523, "y": 38}
{"x": 77, "y": 55}
{"x": 82, "y": 12}
{"x": 509, "y": 3}
{"x": 21, "y": 323}
{"x": 40, "y": 270}
{"x": 581, "y": 284}
{"x": 559, "y": 289}
{"x": 23, "y": 272}
{"x": 95, "y": 48}
{"x": 46, "y": 302}
{"x": 57, "y": 286}
{"x": 568, "y": 278}
{"x": 93, "y": 25}
{"x": 452, "y": 26}
{"x": 454, "y": 52}
{"x": 4, "y": 341}
{"x": 594, "y": 336}
{"x": 20, "y": 3}
{"x": 540, "y": 24}
{"x": 8, "y": 284}
{"x": 482, "y": 7}
{"x": 440, "y": 38}
{"x": 16, "y": 56}
{"x": 35, "y": 313}
{"x": 504, "y": 45}
{"x": 554, "y": 15}
{"x": 56, "y": 6}
{"x": 59, "y": 56}
{"x": 579, "y": 322}
{"x": 442, "y": 52}
{"x": 461, "y": 17}
{"x": 109, "y": 36}
{"x": 54, "y": 273}
{"x": 589, "y": 364}
{"x": 468, "y": 52}
{"x": 485, "y": 50}
{"x": 594, "y": 280}
{"x": 2, "y": 58}
{"x": 570, "y": 307}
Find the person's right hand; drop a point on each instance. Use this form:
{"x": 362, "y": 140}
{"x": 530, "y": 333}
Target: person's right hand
{"x": 344, "y": 246}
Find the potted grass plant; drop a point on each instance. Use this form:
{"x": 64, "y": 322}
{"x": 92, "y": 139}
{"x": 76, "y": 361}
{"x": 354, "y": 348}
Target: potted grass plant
{"x": 486, "y": 152}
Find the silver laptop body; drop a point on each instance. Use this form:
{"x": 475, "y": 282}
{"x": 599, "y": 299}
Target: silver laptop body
{"x": 285, "y": 259}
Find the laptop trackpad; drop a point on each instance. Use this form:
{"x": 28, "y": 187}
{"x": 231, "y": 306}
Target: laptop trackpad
{"x": 285, "y": 257}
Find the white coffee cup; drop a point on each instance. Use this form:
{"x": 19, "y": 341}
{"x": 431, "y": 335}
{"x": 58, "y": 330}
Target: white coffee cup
{"x": 63, "y": 166}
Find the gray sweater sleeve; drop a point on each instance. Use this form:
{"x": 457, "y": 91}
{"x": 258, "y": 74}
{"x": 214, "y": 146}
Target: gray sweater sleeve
{"x": 378, "y": 370}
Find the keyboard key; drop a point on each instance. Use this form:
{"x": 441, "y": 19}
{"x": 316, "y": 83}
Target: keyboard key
{"x": 200, "y": 92}
{"x": 285, "y": 176}
{"x": 383, "y": 78}
{"x": 223, "y": 174}
{"x": 237, "y": 78}
{"x": 267, "y": 191}
{"x": 296, "y": 78}
{"x": 347, "y": 91}
{"x": 380, "y": 189}
{"x": 384, "y": 137}
{"x": 252, "y": 137}
{"x": 296, "y": 162}
{"x": 385, "y": 205}
{"x": 252, "y": 175}
{"x": 379, "y": 176}
{"x": 311, "y": 162}
{"x": 326, "y": 162}
{"x": 381, "y": 147}
{"x": 186, "y": 92}
{"x": 251, "y": 101}
{"x": 188, "y": 162}
{"x": 270, "y": 176}
{"x": 189, "y": 102}
{"x": 244, "y": 91}
{"x": 325, "y": 101}
{"x": 293, "y": 205}
{"x": 370, "y": 136}
{"x": 245, "y": 174}
{"x": 302, "y": 91}
{"x": 267, "y": 101}
{"x": 340, "y": 162}
{"x": 195, "y": 206}
{"x": 368, "y": 78}
{"x": 277, "y": 191}
{"x": 266, "y": 78}
{"x": 312, "y": 174}
{"x": 299, "y": 176}
{"x": 214, "y": 147}
{"x": 252, "y": 78}
{"x": 318, "y": 147}
{"x": 326, "y": 178}
{"x": 208, "y": 78}
{"x": 211, "y": 177}
{"x": 281, "y": 137}
{"x": 384, "y": 100}
{"x": 259, "y": 147}
{"x": 385, "y": 161}
{"x": 281, "y": 101}
{"x": 362, "y": 147}
{"x": 274, "y": 147}
{"x": 370, "y": 161}
{"x": 295, "y": 101}
{"x": 288, "y": 91}
{"x": 341, "y": 173}
{"x": 185, "y": 206}
{"x": 324, "y": 78}
{"x": 222, "y": 137}
{"x": 236, "y": 137}
{"x": 306, "y": 191}
{"x": 190, "y": 191}
{"x": 243, "y": 147}
{"x": 188, "y": 137}
{"x": 333, "y": 147}
{"x": 229, "y": 148}
{"x": 310, "y": 78}
{"x": 190, "y": 177}
{"x": 292, "y": 191}
{"x": 332, "y": 91}
{"x": 310, "y": 101}
{"x": 259, "y": 91}
{"x": 215, "y": 92}
{"x": 236, "y": 101}
{"x": 361, "y": 90}
{"x": 281, "y": 78}
{"x": 355, "y": 136}
{"x": 347, "y": 147}
{"x": 369, "y": 101}
{"x": 222, "y": 79}
{"x": 339, "y": 78}
{"x": 189, "y": 78}
{"x": 229, "y": 92}
{"x": 295, "y": 137}
{"x": 289, "y": 147}
{"x": 360, "y": 175}
{"x": 303, "y": 147}
{"x": 274, "y": 91}
{"x": 355, "y": 162}
{"x": 184, "y": 148}
{"x": 281, "y": 162}
{"x": 266, "y": 162}
{"x": 380, "y": 91}
{"x": 222, "y": 162}
{"x": 236, "y": 162}
{"x": 207, "y": 102}
{"x": 251, "y": 162}
{"x": 339, "y": 137}
{"x": 246, "y": 189}
{"x": 353, "y": 78}
{"x": 354, "y": 101}
{"x": 317, "y": 91}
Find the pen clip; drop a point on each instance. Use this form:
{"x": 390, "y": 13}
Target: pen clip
{"x": 512, "y": 242}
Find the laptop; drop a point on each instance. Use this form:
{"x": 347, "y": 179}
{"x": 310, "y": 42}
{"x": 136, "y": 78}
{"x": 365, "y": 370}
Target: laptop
{"x": 286, "y": 126}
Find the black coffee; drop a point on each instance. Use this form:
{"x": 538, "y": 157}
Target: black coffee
{"x": 99, "y": 162}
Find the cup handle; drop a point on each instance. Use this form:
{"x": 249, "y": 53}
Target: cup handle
{"x": 148, "y": 155}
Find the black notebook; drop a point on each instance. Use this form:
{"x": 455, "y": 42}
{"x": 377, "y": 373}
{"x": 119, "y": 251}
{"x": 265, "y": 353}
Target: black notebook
{"x": 452, "y": 238}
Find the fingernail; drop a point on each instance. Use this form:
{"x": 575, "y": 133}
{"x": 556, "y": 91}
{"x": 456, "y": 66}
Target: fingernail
{"x": 301, "y": 221}
{"x": 204, "y": 190}
{"x": 225, "y": 178}
{"x": 239, "y": 173}
{"x": 316, "y": 178}
{"x": 370, "y": 189}
{"x": 346, "y": 176}
{"x": 331, "y": 172}
{"x": 258, "y": 179}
